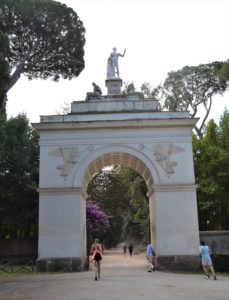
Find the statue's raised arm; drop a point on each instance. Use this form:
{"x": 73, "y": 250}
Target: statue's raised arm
{"x": 124, "y": 52}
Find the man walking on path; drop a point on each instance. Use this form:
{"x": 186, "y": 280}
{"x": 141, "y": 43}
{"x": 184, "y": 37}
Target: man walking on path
{"x": 130, "y": 248}
{"x": 151, "y": 257}
{"x": 205, "y": 253}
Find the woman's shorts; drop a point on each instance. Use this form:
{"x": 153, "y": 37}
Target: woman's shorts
{"x": 97, "y": 257}
{"x": 206, "y": 261}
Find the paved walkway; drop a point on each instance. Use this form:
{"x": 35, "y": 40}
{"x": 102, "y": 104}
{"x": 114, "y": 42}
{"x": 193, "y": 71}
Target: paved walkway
{"x": 123, "y": 278}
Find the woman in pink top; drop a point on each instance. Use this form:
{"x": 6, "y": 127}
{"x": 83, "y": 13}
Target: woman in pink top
{"x": 96, "y": 250}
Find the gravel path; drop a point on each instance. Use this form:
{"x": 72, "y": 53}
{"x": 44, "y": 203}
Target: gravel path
{"x": 124, "y": 278}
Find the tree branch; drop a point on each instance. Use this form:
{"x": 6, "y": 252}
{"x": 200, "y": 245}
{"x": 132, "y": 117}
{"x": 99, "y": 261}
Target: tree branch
{"x": 20, "y": 68}
{"x": 207, "y": 112}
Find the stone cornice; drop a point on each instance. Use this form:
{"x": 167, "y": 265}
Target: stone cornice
{"x": 115, "y": 124}
{"x": 59, "y": 190}
{"x": 175, "y": 188}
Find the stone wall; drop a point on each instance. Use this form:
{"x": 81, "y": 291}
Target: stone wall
{"x": 218, "y": 241}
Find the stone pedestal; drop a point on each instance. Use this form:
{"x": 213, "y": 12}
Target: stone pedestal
{"x": 114, "y": 86}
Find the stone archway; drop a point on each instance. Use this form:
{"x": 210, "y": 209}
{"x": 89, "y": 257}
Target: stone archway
{"x": 126, "y": 130}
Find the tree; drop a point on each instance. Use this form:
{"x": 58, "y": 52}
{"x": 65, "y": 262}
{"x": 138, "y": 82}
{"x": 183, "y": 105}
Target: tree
{"x": 224, "y": 172}
{"x": 46, "y": 39}
{"x": 4, "y": 70}
{"x": 121, "y": 193}
{"x": 192, "y": 87}
{"x": 211, "y": 159}
{"x": 150, "y": 92}
{"x": 136, "y": 218}
{"x": 224, "y": 72}
{"x": 19, "y": 163}
{"x": 97, "y": 220}
{"x": 106, "y": 189}
{"x": 206, "y": 166}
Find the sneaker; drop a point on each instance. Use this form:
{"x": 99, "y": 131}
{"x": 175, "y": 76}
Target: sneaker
{"x": 149, "y": 271}
{"x": 215, "y": 278}
{"x": 95, "y": 278}
{"x": 207, "y": 277}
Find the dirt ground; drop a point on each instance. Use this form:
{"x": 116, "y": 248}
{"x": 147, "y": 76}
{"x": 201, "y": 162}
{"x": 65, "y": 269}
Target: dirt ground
{"x": 122, "y": 277}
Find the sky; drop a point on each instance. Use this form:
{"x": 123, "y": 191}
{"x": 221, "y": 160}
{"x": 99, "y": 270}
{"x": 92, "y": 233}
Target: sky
{"x": 159, "y": 36}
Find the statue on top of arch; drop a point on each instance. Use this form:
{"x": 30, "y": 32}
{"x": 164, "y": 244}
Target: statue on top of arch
{"x": 112, "y": 64}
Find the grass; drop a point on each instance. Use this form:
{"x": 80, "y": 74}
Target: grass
{"x": 11, "y": 268}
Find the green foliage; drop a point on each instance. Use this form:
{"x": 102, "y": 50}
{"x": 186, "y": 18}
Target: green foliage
{"x": 192, "y": 87}
{"x": 101, "y": 190}
{"x": 19, "y": 162}
{"x": 46, "y": 39}
{"x": 211, "y": 159}
{"x": 121, "y": 193}
{"x": 13, "y": 269}
{"x": 137, "y": 219}
{"x": 150, "y": 92}
{"x": 224, "y": 71}
{"x": 224, "y": 130}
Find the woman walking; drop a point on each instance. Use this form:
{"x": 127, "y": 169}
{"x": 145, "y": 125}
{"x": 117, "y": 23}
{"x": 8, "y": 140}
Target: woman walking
{"x": 96, "y": 250}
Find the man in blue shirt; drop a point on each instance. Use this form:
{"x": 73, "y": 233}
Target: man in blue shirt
{"x": 151, "y": 257}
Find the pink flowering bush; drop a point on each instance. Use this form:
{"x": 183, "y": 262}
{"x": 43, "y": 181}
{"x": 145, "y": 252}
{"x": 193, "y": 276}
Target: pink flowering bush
{"x": 97, "y": 220}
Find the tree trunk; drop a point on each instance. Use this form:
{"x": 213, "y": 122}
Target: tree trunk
{"x": 15, "y": 76}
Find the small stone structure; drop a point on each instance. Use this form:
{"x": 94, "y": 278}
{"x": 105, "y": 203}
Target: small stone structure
{"x": 116, "y": 129}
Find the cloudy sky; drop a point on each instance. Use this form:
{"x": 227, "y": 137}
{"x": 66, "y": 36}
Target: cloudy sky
{"x": 159, "y": 36}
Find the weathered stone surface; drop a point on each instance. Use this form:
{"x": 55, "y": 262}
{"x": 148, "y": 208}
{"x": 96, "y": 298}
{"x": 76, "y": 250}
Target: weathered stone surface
{"x": 59, "y": 265}
{"x": 114, "y": 86}
{"x": 179, "y": 263}
{"x": 121, "y": 106}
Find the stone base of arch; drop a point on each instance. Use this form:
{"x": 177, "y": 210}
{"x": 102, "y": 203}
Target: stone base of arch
{"x": 62, "y": 230}
{"x": 72, "y": 264}
{"x": 179, "y": 263}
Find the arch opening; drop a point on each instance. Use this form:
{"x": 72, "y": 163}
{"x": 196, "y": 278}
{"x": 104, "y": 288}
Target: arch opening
{"x": 118, "y": 158}
{"x": 134, "y": 163}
